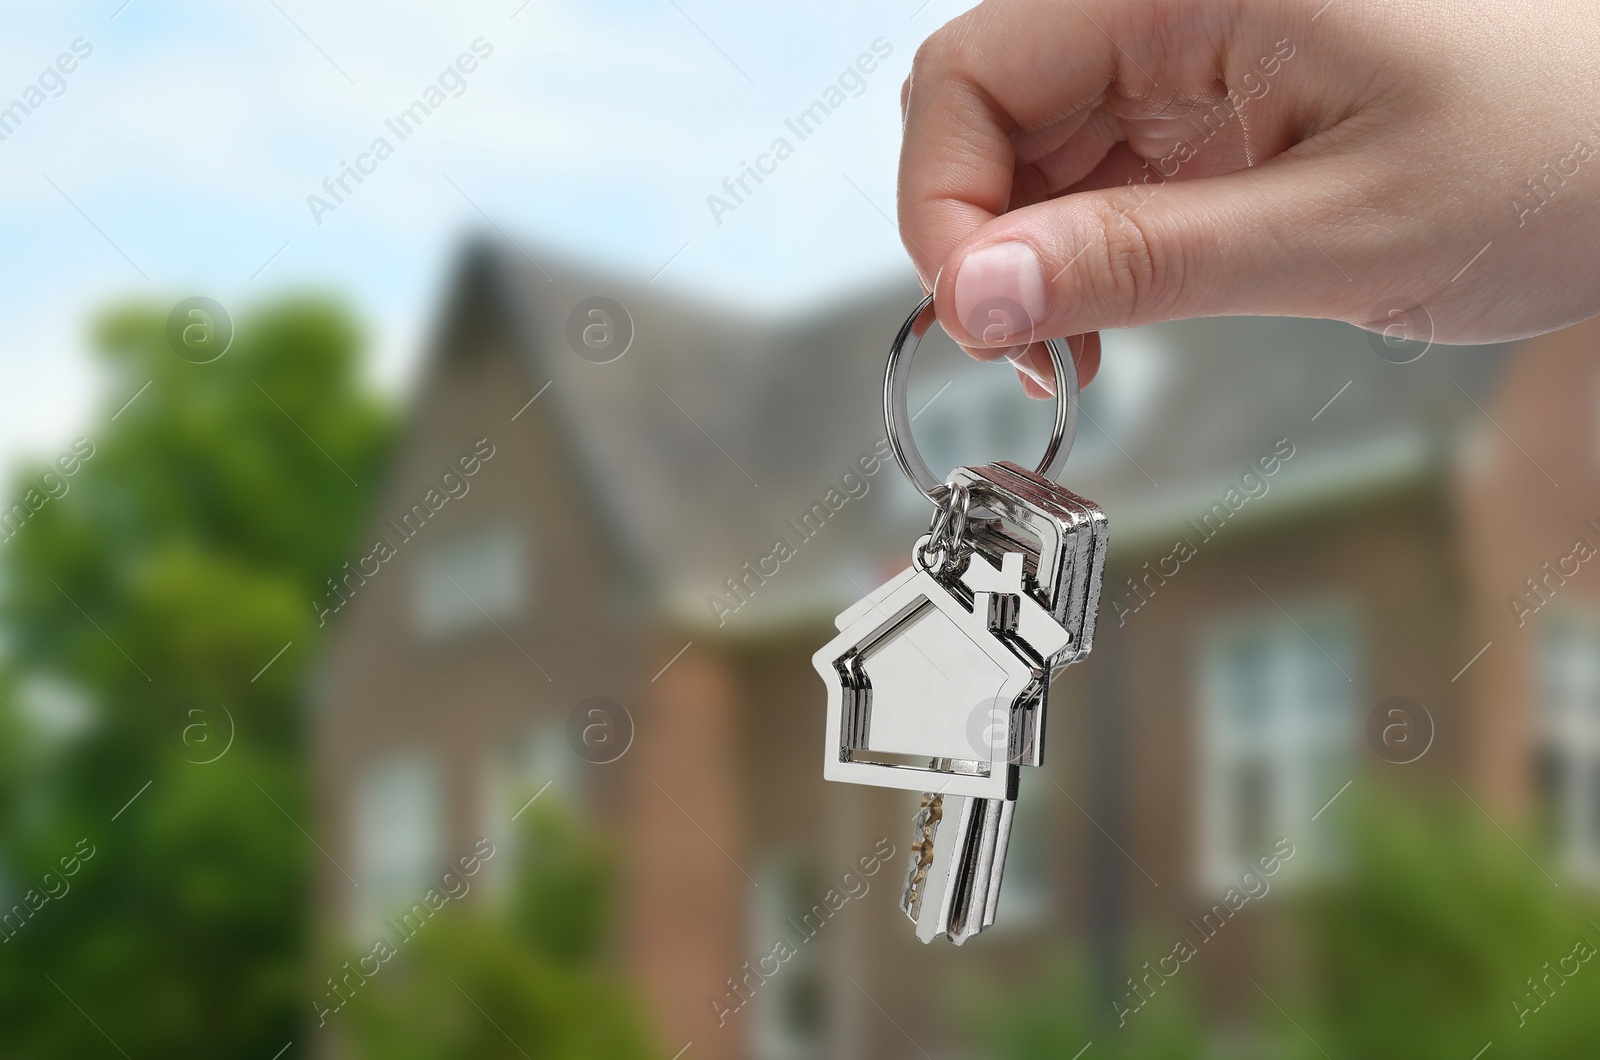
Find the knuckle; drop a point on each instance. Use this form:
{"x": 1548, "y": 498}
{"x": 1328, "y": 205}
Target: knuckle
{"x": 948, "y": 50}
{"x": 928, "y": 54}
{"x": 1131, "y": 271}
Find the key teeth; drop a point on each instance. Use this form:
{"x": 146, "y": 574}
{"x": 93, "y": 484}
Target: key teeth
{"x": 924, "y": 826}
{"x": 958, "y": 856}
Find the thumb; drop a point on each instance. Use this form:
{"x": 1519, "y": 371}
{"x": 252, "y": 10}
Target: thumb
{"x": 1271, "y": 240}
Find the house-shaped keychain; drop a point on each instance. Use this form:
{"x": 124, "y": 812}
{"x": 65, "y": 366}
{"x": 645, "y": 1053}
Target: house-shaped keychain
{"x": 935, "y": 677}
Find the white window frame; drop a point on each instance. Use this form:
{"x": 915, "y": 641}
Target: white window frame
{"x": 378, "y": 801}
{"x": 776, "y": 901}
{"x": 1306, "y": 753}
{"x": 537, "y": 765}
{"x": 441, "y": 610}
{"x": 1568, "y": 675}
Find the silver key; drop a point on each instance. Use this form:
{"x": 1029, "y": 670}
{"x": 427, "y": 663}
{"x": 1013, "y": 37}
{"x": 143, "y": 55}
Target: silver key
{"x": 970, "y": 642}
{"x": 1004, "y": 589}
{"x": 955, "y": 891}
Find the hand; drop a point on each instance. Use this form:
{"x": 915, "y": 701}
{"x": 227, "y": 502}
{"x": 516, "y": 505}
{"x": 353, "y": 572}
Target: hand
{"x": 1071, "y": 165}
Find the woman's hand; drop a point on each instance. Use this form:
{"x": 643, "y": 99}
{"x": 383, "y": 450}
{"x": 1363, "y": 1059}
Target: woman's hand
{"x": 1071, "y": 165}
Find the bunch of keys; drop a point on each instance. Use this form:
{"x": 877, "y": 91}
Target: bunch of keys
{"x": 938, "y": 680}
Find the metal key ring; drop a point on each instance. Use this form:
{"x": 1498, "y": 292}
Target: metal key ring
{"x": 898, "y": 420}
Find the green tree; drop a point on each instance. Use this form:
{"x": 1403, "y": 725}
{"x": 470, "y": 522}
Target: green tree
{"x": 1427, "y": 949}
{"x": 150, "y": 586}
{"x": 1421, "y": 948}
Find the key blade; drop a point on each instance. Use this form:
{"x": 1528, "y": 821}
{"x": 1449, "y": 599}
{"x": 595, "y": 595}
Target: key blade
{"x": 957, "y": 859}
{"x": 997, "y": 862}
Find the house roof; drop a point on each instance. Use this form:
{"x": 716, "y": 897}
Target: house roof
{"x": 707, "y": 440}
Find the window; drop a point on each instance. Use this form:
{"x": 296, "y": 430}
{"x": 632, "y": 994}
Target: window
{"x": 540, "y": 767}
{"x": 967, "y": 412}
{"x": 980, "y": 412}
{"x": 786, "y": 1010}
{"x": 1133, "y": 368}
{"x": 1025, "y": 894}
{"x": 1278, "y": 706}
{"x": 1570, "y": 697}
{"x": 398, "y": 822}
{"x": 469, "y": 582}
{"x": 985, "y": 417}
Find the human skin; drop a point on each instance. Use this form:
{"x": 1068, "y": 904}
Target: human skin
{"x": 1084, "y": 164}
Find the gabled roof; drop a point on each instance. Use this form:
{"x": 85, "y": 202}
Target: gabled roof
{"x": 1234, "y": 386}
{"x": 716, "y": 430}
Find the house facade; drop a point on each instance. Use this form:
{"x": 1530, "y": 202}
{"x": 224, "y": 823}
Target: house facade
{"x": 616, "y": 606}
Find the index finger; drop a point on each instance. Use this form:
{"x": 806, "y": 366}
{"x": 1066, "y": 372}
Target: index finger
{"x": 997, "y": 71}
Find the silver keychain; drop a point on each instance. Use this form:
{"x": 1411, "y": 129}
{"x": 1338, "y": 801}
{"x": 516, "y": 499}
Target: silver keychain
{"x": 938, "y": 681}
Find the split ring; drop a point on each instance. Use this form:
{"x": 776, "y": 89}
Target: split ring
{"x": 898, "y": 420}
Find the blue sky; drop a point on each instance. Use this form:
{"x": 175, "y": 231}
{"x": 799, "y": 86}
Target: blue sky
{"x": 179, "y": 158}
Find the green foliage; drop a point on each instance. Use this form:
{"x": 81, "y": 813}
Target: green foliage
{"x": 1053, "y": 1016}
{"x": 498, "y": 984}
{"x": 1422, "y": 951}
{"x": 160, "y": 575}
{"x": 563, "y": 903}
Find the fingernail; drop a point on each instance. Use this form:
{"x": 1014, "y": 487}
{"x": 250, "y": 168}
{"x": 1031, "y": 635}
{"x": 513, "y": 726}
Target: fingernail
{"x": 1024, "y": 367}
{"x": 1000, "y": 292}
{"x": 1026, "y": 377}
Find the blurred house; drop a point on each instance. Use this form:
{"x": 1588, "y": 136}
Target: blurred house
{"x": 1301, "y": 531}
